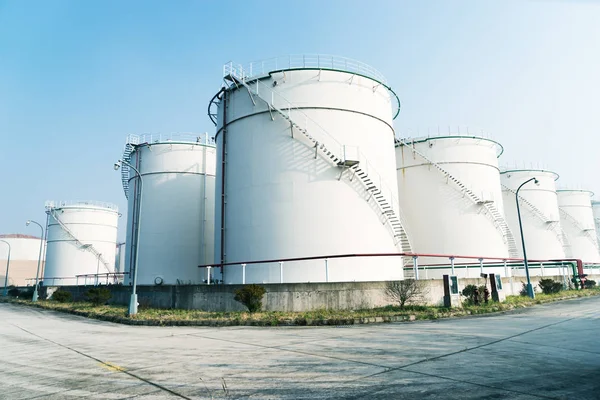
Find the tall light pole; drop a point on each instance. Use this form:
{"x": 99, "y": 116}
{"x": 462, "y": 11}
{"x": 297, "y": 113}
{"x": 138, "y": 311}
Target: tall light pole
{"x": 7, "y": 265}
{"x": 133, "y": 303}
{"x": 37, "y": 274}
{"x": 530, "y": 291}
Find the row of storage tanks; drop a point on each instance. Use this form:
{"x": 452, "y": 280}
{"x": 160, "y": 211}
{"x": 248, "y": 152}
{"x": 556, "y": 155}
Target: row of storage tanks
{"x": 304, "y": 163}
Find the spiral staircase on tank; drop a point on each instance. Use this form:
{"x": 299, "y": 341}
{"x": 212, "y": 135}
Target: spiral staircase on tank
{"x": 52, "y": 212}
{"x": 488, "y": 208}
{"x": 552, "y": 224}
{"x": 368, "y": 178}
{"x": 586, "y": 231}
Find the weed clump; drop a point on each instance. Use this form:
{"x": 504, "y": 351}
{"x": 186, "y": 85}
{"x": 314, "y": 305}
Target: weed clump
{"x": 98, "y": 296}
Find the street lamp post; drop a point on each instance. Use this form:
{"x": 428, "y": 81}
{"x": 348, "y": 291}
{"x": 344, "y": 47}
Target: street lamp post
{"x": 7, "y": 265}
{"x": 530, "y": 291}
{"x": 133, "y": 303}
{"x": 37, "y": 273}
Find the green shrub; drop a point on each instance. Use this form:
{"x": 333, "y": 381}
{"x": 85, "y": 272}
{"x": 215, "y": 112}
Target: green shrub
{"x": 523, "y": 291}
{"x": 250, "y": 296}
{"x": 589, "y": 284}
{"x": 98, "y": 296}
{"x": 550, "y": 286}
{"x": 14, "y": 292}
{"x": 62, "y": 296}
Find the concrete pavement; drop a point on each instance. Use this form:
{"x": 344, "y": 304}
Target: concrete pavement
{"x": 550, "y": 351}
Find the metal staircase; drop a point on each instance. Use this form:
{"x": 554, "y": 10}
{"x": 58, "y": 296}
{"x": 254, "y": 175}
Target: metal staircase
{"x": 587, "y": 232}
{"x": 52, "y": 211}
{"x": 127, "y": 150}
{"x": 554, "y": 225}
{"x": 490, "y": 210}
{"x": 368, "y": 179}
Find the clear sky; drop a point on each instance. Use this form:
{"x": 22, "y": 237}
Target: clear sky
{"x": 77, "y": 76}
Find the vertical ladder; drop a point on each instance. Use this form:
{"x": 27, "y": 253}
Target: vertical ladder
{"x": 490, "y": 210}
{"x": 368, "y": 180}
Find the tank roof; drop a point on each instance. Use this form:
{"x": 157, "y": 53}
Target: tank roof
{"x": 575, "y": 190}
{"x": 81, "y": 204}
{"x": 202, "y": 139}
{"x": 17, "y": 236}
{"x": 423, "y": 139}
{"x": 556, "y": 176}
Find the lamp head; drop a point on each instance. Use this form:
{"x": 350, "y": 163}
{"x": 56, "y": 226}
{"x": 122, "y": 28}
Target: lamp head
{"x": 536, "y": 181}
{"x": 27, "y": 223}
{"x": 117, "y": 165}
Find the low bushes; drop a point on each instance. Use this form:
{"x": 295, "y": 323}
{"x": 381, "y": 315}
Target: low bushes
{"x": 250, "y": 296}
{"x": 98, "y": 296}
{"x": 62, "y": 296}
{"x": 549, "y": 286}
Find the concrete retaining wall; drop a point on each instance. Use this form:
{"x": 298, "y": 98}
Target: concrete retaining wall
{"x": 285, "y": 297}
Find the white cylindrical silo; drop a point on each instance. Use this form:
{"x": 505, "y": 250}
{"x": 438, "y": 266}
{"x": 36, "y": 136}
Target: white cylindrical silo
{"x": 82, "y": 239}
{"x": 449, "y": 189}
{"x": 539, "y": 213}
{"x": 24, "y": 254}
{"x": 577, "y": 221}
{"x": 176, "y": 225}
{"x": 306, "y": 160}
{"x": 596, "y": 212}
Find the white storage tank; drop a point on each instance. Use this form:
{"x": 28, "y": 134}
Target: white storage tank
{"x": 540, "y": 216}
{"x": 577, "y": 221}
{"x": 82, "y": 237}
{"x": 306, "y": 157}
{"x": 24, "y": 254}
{"x": 177, "y": 219}
{"x": 596, "y": 211}
{"x": 449, "y": 188}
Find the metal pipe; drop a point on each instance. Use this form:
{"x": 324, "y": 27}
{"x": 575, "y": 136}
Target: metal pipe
{"x": 37, "y": 273}
{"x": 7, "y": 266}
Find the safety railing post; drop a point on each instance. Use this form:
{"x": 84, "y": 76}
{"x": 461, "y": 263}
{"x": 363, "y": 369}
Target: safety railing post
{"x": 416, "y": 267}
{"x": 542, "y": 268}
{"x": 481, "y": 265}
{"x": 208, "y": 275}
{"x": 452, "y": 265}
{"x": 326, "y": 270}
{"x": 243, "y": 274}
{"x": 280, "y": 271}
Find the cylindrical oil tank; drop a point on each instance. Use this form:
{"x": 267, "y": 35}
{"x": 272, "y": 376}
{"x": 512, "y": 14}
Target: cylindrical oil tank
{"x": 449, "y": 189}
{"x": 24, "y": 254}
{"x": 177, "y": 194}
{"x": 305, "y": 149}
{"x": 577, "y": 221}
{"x": 596, "y": 211}
{"x": 82, "y": 237}
{"x": 540, "y": 216}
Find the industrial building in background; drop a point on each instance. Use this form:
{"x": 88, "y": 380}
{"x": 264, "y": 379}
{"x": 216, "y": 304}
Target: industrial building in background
{"x": 177, "y": 190}
{"x": 539, "y": 213}
{"x": 25, "y": 250}
{"x": 81, "y": 243}
{"x": 449, "y": 190}
{"x": 577, "y": 221}
{"x": 306, "y": 167}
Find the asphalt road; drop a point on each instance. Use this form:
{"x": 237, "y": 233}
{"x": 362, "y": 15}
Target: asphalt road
{"x": 546, "y": 352}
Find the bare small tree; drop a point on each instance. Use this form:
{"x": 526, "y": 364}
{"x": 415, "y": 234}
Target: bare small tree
{"x": 408, "y": 291}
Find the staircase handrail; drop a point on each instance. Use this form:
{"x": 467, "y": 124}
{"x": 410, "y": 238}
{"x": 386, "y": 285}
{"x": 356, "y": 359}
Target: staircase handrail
{"x": 499, "y": 222}
{"x": 370, "y": 170}
{"x": 89, "y": 247}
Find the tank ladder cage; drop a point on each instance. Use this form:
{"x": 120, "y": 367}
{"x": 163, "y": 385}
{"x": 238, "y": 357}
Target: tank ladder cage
{"x": 577, "y": 224}
{"x": 263, "y": 68}
{"x": 81, "y": 245}
{"x": 490, "y": 210}
{"x": 554, "y": 225}
{"x": 323, "y": 142}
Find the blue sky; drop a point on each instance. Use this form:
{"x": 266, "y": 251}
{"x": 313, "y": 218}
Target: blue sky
{"x": 77, "y": 76}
